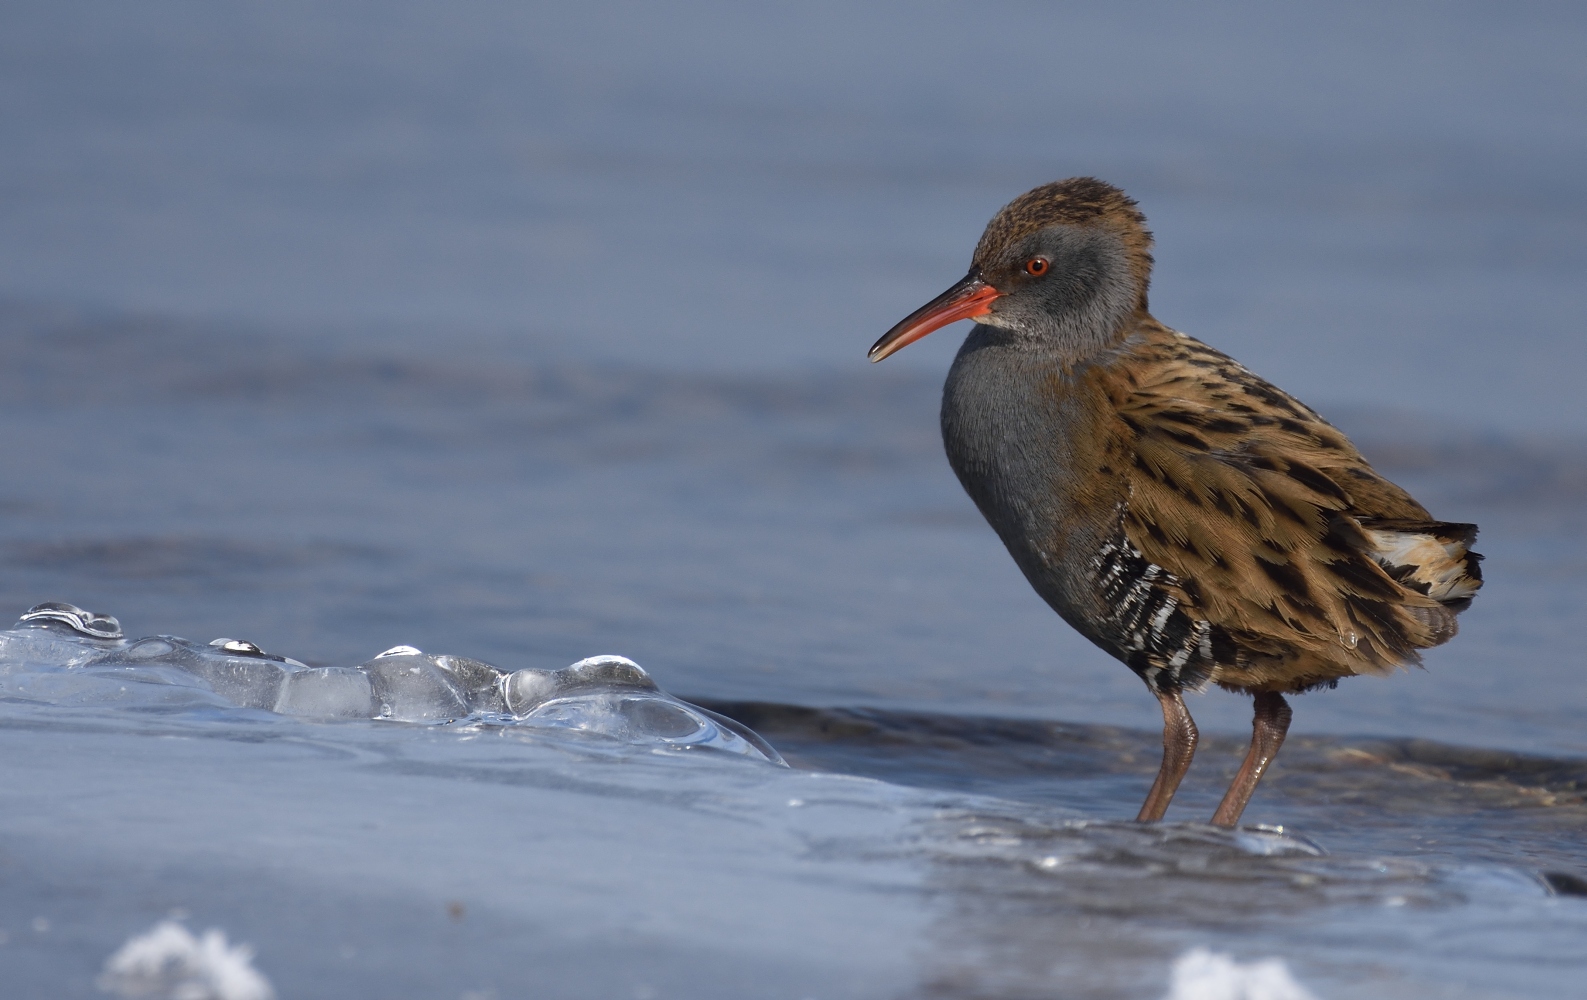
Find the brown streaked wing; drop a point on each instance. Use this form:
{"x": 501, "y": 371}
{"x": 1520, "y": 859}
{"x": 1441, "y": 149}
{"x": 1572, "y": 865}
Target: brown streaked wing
{"x": 1250, "y": 499}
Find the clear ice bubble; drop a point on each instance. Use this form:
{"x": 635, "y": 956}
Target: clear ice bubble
{"x": 410, "y": 686}
{"x": 613, "y": 696}
{"x": 609, "y": 696}
{"x": 327, "y": 693}
{"x": 88, "y": 623}
{"x": 58, "y": 635}
{"x": 240, "y": 672}
{"x": 480, "y": 682}
{"x": 59, "y": 654}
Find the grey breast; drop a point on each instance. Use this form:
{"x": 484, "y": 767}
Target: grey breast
{"x": 1010, "y": 427}
{"x": 1009, "y": 430}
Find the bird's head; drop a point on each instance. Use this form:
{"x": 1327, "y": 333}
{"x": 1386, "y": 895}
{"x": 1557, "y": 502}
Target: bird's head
{"x": 1060, "y": 267}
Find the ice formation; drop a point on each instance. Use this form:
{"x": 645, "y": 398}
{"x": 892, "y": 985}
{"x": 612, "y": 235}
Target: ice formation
{"x": 1200, "y": 974}
{"x": 169, "y": 963}
{"x": 605, "y": 695}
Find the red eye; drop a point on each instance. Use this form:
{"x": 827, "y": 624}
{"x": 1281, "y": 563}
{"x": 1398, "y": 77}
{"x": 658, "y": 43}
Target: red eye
{"x": 1036, "y": 266}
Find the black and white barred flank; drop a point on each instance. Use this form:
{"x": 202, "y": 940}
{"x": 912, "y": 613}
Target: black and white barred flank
{"x": 1168, "y": 648}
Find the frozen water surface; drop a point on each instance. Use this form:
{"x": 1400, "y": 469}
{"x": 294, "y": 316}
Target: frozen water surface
{"x": 528, "y": 331}
{"x": 59, "y": 653}
{"x": 379, "y": 858}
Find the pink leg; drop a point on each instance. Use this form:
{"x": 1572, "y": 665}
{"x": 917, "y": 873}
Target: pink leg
{"x": 1179, "y": 746}
{"x": 1268, "y": 726}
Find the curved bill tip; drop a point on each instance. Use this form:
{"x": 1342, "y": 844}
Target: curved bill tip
{"x": 969, "y": 298}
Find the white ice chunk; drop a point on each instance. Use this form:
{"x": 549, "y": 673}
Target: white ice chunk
{"x": 326, "y": 692}
{"x": 169, "y": 963}
{"x": 1200, "y": 974}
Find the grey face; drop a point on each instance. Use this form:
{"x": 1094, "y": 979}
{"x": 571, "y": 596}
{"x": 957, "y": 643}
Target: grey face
{"x": 1064, "y": 288}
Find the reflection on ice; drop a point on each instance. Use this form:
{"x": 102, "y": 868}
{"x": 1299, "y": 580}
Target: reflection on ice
{"x": 1268, "y": 841}
{"x": 1099, "y": 865}
{"x": 59, "y": 652}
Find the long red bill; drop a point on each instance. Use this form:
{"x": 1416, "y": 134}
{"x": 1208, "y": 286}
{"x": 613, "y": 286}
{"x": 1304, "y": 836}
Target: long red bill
{"x": 969, "y": 298}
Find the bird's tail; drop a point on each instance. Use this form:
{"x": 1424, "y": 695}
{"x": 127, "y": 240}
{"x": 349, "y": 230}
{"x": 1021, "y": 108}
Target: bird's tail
{"x": 1432, "y": 558}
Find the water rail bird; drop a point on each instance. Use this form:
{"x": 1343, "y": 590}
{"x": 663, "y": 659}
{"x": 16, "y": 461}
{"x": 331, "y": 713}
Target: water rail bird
{"x": 1196, "y": 522}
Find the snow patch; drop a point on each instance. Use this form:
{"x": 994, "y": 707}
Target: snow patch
{"x": 169, "y": 963}
{"x": 1200, "y": 974}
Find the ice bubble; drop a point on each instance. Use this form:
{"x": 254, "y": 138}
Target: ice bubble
{"x": 605, "y": 672}
{"x": 327, "y": 693}
{"x": 61, "y": 654}
{"x": 1200, "y": 974}
{"x": 169, "y": 963}
{"x": 238, "y": 671}
{"x": 614, "y": 697}
{"x": 625, "y": 718}
{"x": 54, "y": 634}
{"x": 89, "y": 623}
{"x": 420, "y": 694}
{"x": 483, "y": 684}
{"x": 410, "y": 686}
{"x": 526, "y": 689}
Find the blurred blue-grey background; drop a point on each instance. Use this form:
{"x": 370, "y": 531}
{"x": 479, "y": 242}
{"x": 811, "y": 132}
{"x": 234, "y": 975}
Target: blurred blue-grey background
{"x": 535, "y": 330}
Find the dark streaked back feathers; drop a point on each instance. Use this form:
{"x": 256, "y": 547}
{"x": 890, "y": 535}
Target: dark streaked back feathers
{"x": 1273, "y": 527}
